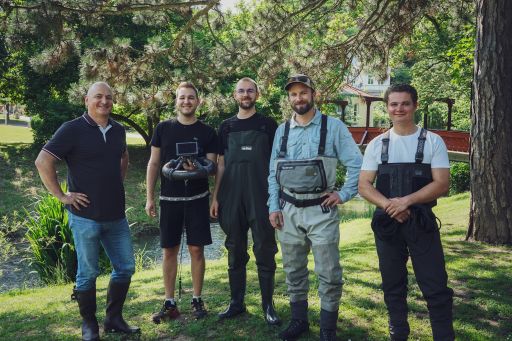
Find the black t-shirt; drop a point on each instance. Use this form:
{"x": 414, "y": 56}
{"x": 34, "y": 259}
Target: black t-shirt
{"x": 255, "y": 122}
{"x": 94, "y": 165}
{"x": 170, "y": 132}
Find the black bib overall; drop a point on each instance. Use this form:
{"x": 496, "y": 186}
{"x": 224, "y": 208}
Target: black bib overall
{"x": 242, "y": 198}
{"x": 419, "y": 237}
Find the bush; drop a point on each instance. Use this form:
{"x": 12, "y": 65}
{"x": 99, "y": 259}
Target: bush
{"x": 44, "y": 124}
{"x": 459, "y": 177}
{"x": 341, "y": 171}
{"x": 53, "y": 254}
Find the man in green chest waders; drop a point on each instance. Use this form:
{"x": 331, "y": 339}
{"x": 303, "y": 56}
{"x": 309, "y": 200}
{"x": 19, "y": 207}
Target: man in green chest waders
{"x": 240, "y": 196}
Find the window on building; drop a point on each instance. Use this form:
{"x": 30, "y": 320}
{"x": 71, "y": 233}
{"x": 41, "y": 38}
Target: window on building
{"x": 354, "y": 112}
{"x": 370, "y": 79}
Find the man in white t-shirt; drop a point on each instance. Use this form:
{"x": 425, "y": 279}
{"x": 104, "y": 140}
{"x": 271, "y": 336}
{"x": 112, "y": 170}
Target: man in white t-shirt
{"x": 411, "y": 167}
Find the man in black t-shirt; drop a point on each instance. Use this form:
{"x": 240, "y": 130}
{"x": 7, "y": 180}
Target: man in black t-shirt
{"x": 183, "y": 204}
{"x": 240, "y": 197}
{"x": 94, "y": 148}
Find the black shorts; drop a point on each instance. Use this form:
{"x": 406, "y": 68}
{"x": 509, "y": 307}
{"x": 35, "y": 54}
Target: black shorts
{"x": 197, "y": 222}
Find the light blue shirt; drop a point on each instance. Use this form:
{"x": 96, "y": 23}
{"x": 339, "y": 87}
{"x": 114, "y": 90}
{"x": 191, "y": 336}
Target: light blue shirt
{"x": 303, "y": 143}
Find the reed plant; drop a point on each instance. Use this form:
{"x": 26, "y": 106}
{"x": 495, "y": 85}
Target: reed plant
{"x": 52, "y": 249}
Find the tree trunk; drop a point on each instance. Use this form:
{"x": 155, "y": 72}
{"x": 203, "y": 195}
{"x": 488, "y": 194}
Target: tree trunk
{"x": 134, "y": 125}
{"x": 491, "y": 133}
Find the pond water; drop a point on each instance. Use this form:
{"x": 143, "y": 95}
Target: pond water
{"x": 16, "y": 272}
{"x": 151, "y": 246}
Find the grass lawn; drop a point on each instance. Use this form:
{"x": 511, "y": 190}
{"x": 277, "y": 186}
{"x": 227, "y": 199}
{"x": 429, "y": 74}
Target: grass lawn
{"x": 479, "y": 274}
{"x": 15, "y": 134}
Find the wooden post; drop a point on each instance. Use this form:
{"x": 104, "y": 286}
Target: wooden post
{"x": 425, "y": 118}
{"x": 343, "y": 109}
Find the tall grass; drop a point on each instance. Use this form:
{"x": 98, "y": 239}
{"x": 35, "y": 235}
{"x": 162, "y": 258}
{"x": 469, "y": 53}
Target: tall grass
{"x": 53, "y": 254}
{"x": 52, "y": 248}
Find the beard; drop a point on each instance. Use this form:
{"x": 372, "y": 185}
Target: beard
{"x": 188, "y": 114}
{"x": 301, "y": 109}
{"x": 246, "y": 104}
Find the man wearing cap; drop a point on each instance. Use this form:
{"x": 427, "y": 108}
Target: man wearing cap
{"x": 303, "y": 203}
{"x": 240, "y": 195}
{"x": 94, "y": 148}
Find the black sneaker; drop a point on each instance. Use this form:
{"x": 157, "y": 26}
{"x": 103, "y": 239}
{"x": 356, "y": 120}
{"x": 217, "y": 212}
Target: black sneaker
{"x": 169, "y": 311}
{"x": 198, "y": 309}
{"x": 327, "y": 335}
{"x": 294, "y": 329}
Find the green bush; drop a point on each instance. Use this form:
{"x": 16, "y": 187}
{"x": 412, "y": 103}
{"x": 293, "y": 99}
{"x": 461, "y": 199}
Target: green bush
{"x": 340, "y": 175}
{"x": 459, "y": 177}
{"x": 53, "y": 254}
{"x": 45, "y": 123}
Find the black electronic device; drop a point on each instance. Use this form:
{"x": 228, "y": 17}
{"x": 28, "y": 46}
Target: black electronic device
{"x": 187, "y": 149}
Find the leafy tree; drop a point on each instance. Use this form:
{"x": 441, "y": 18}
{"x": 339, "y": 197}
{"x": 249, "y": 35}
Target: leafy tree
{"x": 438, "y": 58}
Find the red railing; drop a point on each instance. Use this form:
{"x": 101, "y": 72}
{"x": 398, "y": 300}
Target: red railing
{"x": 456, "y": 141}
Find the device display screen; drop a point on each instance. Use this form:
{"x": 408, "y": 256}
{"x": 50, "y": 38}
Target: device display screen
{"x": 186, "y": 148}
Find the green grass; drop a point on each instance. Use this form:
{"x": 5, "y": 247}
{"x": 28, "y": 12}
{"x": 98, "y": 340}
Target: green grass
{"x": 15, "y": 134}
{"x": 479, "y": 274}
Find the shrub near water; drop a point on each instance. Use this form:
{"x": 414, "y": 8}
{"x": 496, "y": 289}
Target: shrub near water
{"x": 52, "y": 248}
{"x": 53, "y": 254}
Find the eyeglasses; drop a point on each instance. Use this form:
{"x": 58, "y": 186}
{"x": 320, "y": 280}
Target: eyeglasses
{"x": 244, "y": 91}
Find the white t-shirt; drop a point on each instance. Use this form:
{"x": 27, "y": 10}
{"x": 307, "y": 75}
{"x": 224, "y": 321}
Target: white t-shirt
{"x": 403, "y": 149}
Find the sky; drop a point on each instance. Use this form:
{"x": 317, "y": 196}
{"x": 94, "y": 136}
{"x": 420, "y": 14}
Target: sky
{"x": 228, "y": 4}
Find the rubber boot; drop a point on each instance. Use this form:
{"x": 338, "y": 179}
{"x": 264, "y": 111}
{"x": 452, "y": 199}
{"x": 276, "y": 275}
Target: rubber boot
{"x": 267, "y": 292}
{"x": 87, "y": 306}
{"x": 299, "y": 323}
{"x": 328, "y": 322}
{"x": 237, "y": 282}
{"x": 114, "y": 322}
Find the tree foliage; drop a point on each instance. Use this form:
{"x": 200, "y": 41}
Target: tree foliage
{"x": 143, "y": 49}
{"x": 437, "y": 58}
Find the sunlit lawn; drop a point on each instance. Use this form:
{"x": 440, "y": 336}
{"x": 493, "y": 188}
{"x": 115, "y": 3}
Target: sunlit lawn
{"x": 479, "y": 274}
{"x": 15, "y": 134}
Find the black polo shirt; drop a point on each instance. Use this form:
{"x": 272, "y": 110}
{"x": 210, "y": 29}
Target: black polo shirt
{"x": 94, "y": 165}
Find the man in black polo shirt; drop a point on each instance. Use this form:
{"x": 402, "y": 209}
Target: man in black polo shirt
{"x": 94, "y": 149}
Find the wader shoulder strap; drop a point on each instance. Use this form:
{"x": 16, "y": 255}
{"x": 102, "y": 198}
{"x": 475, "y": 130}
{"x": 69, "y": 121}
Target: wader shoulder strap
{"x": 421, "y": 145}
{"x": 384, "y": 154}
{"x": 284, "y": 139}
{"x": 323, "y": 135}
{"x": 225, "y": 132}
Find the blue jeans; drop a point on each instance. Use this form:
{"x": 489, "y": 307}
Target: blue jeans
{"x": 116, "y": 240}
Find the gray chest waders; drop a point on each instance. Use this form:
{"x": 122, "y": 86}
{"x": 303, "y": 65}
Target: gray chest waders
{"x": 301, "y": 181}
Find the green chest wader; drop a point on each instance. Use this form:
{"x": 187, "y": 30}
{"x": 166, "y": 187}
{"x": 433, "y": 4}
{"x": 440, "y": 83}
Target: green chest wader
{"x": 244, "y": 183}
{"x": 242, "y": 197}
